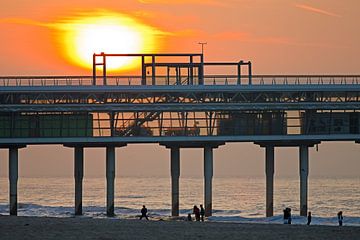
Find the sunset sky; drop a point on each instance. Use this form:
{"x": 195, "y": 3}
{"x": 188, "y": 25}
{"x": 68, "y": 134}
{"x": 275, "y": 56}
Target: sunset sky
{"x": 53, "y": 37}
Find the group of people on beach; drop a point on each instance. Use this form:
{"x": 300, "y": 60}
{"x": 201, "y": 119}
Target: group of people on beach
{"x": 287, "y": 217}
{"x": 198, "y": 212}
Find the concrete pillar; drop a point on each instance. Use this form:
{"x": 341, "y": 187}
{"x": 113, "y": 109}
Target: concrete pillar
{"x": 304, "y": 172}
{"x": 13, "y": 178}
{"x": 269, "y": 165}
{"x": 78, "y": 174}
{"x": 175, "y": 174}
{"x": 208, "y": 174}
{"x": 110, "y": 179}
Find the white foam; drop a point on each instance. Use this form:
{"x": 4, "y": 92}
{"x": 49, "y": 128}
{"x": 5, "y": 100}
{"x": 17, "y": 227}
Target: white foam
{"x": 28, "y": 209}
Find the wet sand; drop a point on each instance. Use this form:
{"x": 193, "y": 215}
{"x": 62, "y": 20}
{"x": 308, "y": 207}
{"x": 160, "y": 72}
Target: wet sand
{"x": 17, "y": 228}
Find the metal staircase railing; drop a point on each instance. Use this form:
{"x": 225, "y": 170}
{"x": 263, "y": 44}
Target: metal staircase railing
{"x": 136, "y": 127}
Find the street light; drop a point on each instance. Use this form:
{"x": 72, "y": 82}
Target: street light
{"x": 202, "y": 46}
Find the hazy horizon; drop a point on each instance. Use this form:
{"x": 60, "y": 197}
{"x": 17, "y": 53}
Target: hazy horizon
{"x": 332, "y": 159}
{"x": 278, "y": 36}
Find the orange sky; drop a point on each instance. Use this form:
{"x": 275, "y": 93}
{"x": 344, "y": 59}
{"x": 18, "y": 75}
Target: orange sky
{"x": 278, "y": 36}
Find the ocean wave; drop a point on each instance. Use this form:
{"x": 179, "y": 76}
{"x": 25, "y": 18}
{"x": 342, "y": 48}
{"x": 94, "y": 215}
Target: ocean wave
{"x": 30, "y": 209}
{"x": 132, "y": 196}
{"x": 297, "y": 220}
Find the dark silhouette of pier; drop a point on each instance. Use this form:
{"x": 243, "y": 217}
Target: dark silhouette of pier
{"x": 175, "y": 103}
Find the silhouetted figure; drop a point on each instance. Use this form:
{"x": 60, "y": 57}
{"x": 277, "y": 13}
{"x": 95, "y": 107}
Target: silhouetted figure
{"x": 340, "y": 218}
{"x": 189, "y": 218}
{"x": 144, "y": 212}
{"x": 289, "y": 214}
{"x": 196, "y": 211}
{"x": 309, "y": 218}
{"x": 202, "y": 212}
{"x": 286, "y": 215}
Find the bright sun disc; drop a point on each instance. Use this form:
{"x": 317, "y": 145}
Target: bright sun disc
{"x": 112, "y": 33}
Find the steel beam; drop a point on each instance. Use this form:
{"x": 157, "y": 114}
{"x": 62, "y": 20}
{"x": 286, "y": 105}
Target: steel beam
{"x": 179, "y": 107}
{"x": 174, "y": 140}
{"x": 269, "y": 165}
{"x": 110, "y": 180}
{"x": 208, "y": 175}
{"x": 304, "y": 172}
{"x": 175, "y": 174}
{"x": 13, "y": 179}
{"x": 78, "y": 174}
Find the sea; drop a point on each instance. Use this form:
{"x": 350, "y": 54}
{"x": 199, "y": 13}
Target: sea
{"x": 236, "y": 199}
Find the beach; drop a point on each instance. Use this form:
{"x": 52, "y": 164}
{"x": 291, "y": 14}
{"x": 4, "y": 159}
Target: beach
{"x": 17, "y": 228}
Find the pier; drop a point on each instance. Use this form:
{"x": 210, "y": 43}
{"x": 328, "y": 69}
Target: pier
{"x": 178, "y": 102}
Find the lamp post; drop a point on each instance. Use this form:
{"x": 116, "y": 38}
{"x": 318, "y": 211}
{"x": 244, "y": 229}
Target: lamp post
{"x": 201, "y": 69}
{"x": 202, "y": 46}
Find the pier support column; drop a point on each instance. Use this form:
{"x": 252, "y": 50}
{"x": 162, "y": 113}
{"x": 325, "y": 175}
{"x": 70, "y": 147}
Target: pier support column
{"x": 175, "y": 174}
{"x": 304, "y": 170}
{"x": 208, "y": 174}
{"x": 110, "y": 179}
{"x": 13, "y": 179}
{"x": 269, "y": 165}
{"x": 78, "y": 174}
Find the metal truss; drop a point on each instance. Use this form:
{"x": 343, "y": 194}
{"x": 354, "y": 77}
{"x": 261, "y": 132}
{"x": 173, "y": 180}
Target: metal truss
{"x": 176, "y": 108}
{"x": 182, "y": 98}
{"x": 101, "y": 141}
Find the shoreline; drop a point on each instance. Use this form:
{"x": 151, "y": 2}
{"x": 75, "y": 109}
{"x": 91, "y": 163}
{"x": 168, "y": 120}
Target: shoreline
{"x": 15, "y": 227}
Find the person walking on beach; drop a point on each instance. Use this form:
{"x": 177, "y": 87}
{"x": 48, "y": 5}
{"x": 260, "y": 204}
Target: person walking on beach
{"x": 196, "y": 211}
{"x": 144, "y": 212}
{"x": 202, "y": 212}
{"x": 340, "y": 218}
{"x": 286, "y": 215}
{"x": 309, "y": 218}
{"x": 289, "y": 215}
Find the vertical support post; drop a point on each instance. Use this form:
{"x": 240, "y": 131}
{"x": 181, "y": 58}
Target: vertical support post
{"x": 175, "y": 174}
{"x": 143, "y": 71}
{"x": 110, "y": 179}
{"x": 153, "y": 70}
{"x": 191, "y": 71}
{"x": 304, "y": 172}
{"x": 104, "y": 68}
{"x": 250, "y": 73}
{"x": 208, "y": 174}
{"x": 201, "y": 70}
{"x": 168, "y": 76}
{"x": 269, "y": 165}
{"x": 177, "y": 76}
{"x": 13, "y": 179}
{"x": 112, "y": 123}
{"x": 179, "y": 73}
{"x": 239, "y": 72}
{"x": 78, "y": 174}
{"x": 94, "y": 69}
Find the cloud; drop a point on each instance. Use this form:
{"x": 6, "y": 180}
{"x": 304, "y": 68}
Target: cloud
{"x": 316, "y": 10}
{"x": 23, "y": 21}
{"x": 157, "y": 18}
{"x": 85, "y": 18}
{"x": 198, "y": 2}
{"x": 252, "y": 38}
{"x": 249, "y": 37}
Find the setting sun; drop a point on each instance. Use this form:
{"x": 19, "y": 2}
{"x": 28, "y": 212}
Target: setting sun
{"x": 110, "y": 34}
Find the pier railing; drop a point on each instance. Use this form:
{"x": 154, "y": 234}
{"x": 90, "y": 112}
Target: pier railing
{"x": 173, "y": 80}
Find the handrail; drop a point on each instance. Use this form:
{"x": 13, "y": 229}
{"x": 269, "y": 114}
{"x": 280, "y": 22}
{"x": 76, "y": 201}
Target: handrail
{"x": 163, "y": 80}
